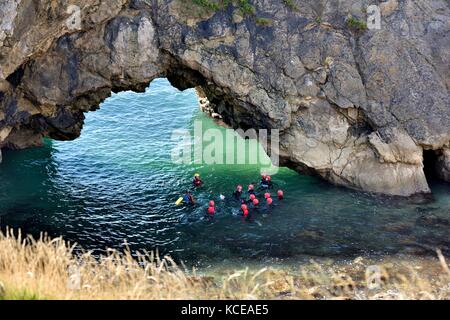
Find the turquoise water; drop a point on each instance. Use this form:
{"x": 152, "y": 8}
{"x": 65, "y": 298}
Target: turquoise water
{"x": 117, "y": 183}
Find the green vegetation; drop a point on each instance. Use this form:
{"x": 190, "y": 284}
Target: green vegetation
{"x": 264, "y": 21}
{"x": 22, "y": 294}
{"x": 244, "y": 5}
{"x": 213, "y": 5}
{"x": 291, "y": 5}
{"x": 356, "y": 24}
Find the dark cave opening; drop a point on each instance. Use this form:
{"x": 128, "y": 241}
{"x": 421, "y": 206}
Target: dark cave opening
{"x": 430, "y": 162}
{"x": 16, "y": 77}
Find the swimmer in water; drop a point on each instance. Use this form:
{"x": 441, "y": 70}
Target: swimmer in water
{"x": 280, "y": 195}
{"x": 251, "y": 189}
{"x": 251, "y": 198}
{"x": 244, "y": 208}
{"x": 266, "y": 182}
{"x": 188, "y": 198}
{"x": 211, "y": 210}
{"x": 238, "y": 193}
{"x": 197, "y": 181}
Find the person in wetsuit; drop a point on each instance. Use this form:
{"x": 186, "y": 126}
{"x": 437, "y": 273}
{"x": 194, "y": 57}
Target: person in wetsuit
{"x": 269, "y": 204}
{"x": 197, "y": 182}
{"x": 251, "y": 198}
{"x": 211, "y": 212}
{"x": 238, "y": 193}
{"x": 254, "y": 206}
{"x": 251, "y": 189}
{"x": 188, "y": 198}
{"x": 266, "y": 182}
{"x": 280, "y": 195}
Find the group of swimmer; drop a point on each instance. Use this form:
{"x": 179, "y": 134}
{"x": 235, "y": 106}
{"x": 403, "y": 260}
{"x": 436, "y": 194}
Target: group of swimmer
{"x": 249, "y": 201}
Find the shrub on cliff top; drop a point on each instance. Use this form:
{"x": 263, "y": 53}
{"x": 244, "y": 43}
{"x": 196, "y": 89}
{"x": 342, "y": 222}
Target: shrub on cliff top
{"x": 291, "y": 5}
{"x": 244, "y": 5}
{"x": 356, "y": 24}
{"x": 207, "y": 4}
{"x": 264, "y": 21}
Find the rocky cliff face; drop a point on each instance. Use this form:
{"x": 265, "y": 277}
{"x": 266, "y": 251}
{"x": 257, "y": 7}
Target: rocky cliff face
{"x": 358, "y": 107}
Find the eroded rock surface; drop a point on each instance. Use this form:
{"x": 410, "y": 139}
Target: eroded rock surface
{"x": 443, "y": 164}
{"x": 356, "y": 107}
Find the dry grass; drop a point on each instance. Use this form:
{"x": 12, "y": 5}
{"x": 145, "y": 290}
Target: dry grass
{"x": 49, "y": 269}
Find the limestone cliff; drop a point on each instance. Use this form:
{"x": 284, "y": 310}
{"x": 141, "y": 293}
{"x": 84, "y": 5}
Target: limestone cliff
{"x": 356, "y": 106}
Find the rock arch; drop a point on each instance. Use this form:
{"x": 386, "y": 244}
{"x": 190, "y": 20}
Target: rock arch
{"x": 356, "y": 107}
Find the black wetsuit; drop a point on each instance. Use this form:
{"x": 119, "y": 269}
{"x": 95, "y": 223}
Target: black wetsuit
{"x": 209, "y": 216}
{"x": 253, "y": 208}
{"x": 266, "y": 184}
{"x": 237, "y": 195}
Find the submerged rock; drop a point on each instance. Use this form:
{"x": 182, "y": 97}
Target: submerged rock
{"x": 355, "y": 107}
{"x": 309, "y": 235}
{"x": 431, "y": 220}
{"x": 404, "y": 228}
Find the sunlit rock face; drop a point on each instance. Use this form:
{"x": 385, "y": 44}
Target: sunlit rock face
{"x": 357, "y": 107}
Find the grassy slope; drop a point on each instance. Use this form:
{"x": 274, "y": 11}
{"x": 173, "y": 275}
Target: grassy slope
{"x": 31, "y": 269}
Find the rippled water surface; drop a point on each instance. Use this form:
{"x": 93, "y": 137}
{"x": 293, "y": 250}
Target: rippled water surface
{"x": 117, "y": 183}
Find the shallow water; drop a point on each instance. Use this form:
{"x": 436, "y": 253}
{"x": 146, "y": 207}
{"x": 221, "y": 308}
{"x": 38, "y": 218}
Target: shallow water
{"x": 117, "y": 183}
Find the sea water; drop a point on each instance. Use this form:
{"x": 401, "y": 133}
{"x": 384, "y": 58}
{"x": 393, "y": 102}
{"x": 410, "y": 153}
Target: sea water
{"x": 117, "y": 184}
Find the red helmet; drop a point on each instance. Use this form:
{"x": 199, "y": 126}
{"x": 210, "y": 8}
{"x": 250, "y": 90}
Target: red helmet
{"x": 269, "y": 201}
{"x": 212, "y": 203}
{"x": 239, "y": 188}
{"x": 245, "y": 213}
{"x": 211, "y": 210}
{"x": 252, "y": 197}
{"x": 280, "y": 193}
{"x": 268, "y": 178}
{"x": 267, "y": 195}
{"x": 244, "y": 207}
{"x": 255, "y": 202}
{"x": 251, "y": 187}
{"x": 263, "y": 176}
